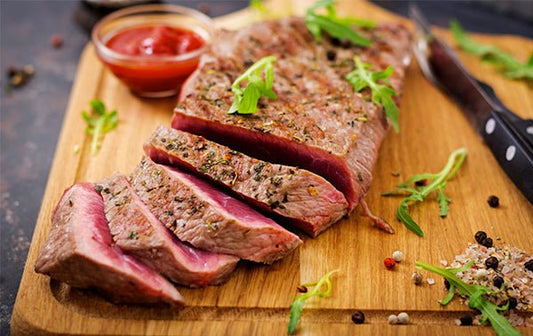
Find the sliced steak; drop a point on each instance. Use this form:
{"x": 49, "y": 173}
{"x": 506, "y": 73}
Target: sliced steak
{"x": 310, "y": 202}
{"x": 207, "y": 218}
{"x": 138, "y": 232}
{"x": 80, "y": 252}
{"x": 317, "y": 122}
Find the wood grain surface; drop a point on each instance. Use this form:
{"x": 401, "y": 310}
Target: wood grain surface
{"x": 256, "y": 298}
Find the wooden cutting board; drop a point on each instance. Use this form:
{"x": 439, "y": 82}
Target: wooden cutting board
{"x": 256, "y": 298}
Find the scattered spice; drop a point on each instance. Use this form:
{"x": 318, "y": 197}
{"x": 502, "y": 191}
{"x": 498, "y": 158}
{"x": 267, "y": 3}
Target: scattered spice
{"x": 487, "y": 242}
{"x": 529, "y": 265}
{"x": 358, "y": 317}
{"x": 446, "y": 284}
{"x": 480, "y": 236}
{"x": 493, "y": 201}
{"x": 430, "y": 281}
{"x": 393, "y": 319}
{"x": 492, "y": 262}
{"x": 397, "y": 256}
{"x": 403, "y": 318}
{"x": 417, "y": 278}
{"x": 389, "y": 263}
{"x": 331, "y": 55}
{"x": 512, "y": 303}
{"x": 19, "y": 77}
{"x": 466, "y": 320}
{"x": 56, "y": 41}
{"x": 497, "y": 281}
{"x": 301, "y": 289}
{"x": 421, "y": 183}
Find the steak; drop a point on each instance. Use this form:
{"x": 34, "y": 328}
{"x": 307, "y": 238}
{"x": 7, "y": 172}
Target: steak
{"x": 317, "y": 122}
{"x": 310, "y": 202}
{"x": 80, "y": 252}
{"x": 198, "y": 213}
{"x": 138, "y": 232}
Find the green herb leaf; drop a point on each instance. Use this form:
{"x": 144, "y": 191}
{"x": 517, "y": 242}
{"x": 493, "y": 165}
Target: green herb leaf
{"x": 340, "y": 28}
{"x": 245, "y": 100}
{"x": 259, "y": 6}
{"x": 474, "y": 293}
{"x": 99, "y": 122}
{"x": 436, "y": 182}
{"x": 361, "y": 77}
{"x": 297, "y": 305}
{"x": 507, "y": 63}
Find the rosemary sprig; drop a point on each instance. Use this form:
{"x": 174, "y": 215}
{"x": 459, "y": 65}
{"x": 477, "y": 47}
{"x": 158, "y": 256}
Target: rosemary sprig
{"x": 510, "y": 66}
{"x": 297, "y": 305}
{"x": 335, "y": 26}
{"x": 436, "y": 182}
{"x": 245, "y": 101}
{"x": 474, "y": 293}
{"x": 362, "y": 77}
{"x": 99, "y": 122}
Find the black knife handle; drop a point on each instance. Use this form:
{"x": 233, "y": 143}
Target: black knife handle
{"x": 514, "y": 155}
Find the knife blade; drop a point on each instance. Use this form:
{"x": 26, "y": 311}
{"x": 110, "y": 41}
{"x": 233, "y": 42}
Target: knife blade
{"x": 509, "y": 137}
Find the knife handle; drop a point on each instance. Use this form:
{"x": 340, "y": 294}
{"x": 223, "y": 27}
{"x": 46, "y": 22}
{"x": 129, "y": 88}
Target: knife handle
{"x": 513, "y": 154}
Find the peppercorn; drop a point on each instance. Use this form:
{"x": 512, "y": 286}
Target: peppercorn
{"x": 497, "y": 281}
{"x": 487, "y": 242}
{"x": 512, "y": 303}
{"x": 302, "y": 289}
{"x": 358, "y": 317}
{"x": 403, "y": 318}
{"x": 529, "y": 265}
{"x": 466, "y": 320}
{"x": 56, "y": 41}
{"x": 417, "y": 278}
{"x": 447, "y": 284}
{"x": 331, "y": 55}
{"x": 346, "y": 44}
{"x": 397, "y": 256}
{"x": 493, "y": 201}
{"x": 389, "y": 263}
{"x": 491, "y": 262}
{"x": 480, "y": 237}
{"x": 421, "y": 183}
{"x": 393, "y": 319}
{"x": 335, "y": 41}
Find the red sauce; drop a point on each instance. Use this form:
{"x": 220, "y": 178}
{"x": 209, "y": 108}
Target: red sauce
{"x": 151, "y": 73}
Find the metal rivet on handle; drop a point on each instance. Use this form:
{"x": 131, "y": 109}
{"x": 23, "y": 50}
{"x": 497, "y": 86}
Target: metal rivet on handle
{"x": 509, "y": 154}
{"x": 490, "y": 126}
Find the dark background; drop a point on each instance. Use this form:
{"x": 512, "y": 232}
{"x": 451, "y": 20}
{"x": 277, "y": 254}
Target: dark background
{"x": 31, "y": 116}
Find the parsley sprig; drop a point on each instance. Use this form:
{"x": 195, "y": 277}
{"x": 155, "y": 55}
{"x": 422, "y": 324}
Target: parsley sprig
{"x": 361, "y": 77}
{"x": 245, "y": 101}
{"x": 510, "y": 66}
{"x": 297, "y": 305}
{"x": 474, "y": 293}
{"x": 99, "y": 122}
{"x": 335, "y": 26}
{"x": 435, "y": 183}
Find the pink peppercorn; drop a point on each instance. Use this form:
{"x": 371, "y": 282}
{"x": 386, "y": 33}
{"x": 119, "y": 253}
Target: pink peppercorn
{"x": 389, "y": 263}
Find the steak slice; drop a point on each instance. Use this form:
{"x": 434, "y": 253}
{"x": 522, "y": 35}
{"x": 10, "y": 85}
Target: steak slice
{"x": 310, "y": 202}
{"x": 80, "y": 252}
{"x": 317, "y": 122}
{"x": 207, "y": 218}
{"x": 138, "y": 232}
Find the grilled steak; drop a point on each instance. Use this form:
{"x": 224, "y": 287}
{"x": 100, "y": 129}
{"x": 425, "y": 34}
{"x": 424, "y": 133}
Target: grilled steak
{"x": 207, "y": 218}
{"x": 310, "y": 202}
{"x": 80, "y": 252}
{"x": 137, "y": 232}
{"x": 317, "y": 122}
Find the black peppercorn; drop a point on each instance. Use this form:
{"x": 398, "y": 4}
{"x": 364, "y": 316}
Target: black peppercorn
{"x": 447, "y": 284}
{"x": 331, "y": 55}
{"x": 358, "y": 317}
{"x": 497, "y": 281}
{"x": 512, "y": 303}
{"x": 491, "y": 262}
{"x": 487, "y": 242}
{"x": 493, "y": 201}
{"x": 466, "y": 320}
{"x": 248, "y": 63}
{"x": 335, "y": 41}
{"x": 529, "y": 265}
{"x": 480, "y": 236}
{"x": 346, "y": 44}
{"x": 421, "y": 183}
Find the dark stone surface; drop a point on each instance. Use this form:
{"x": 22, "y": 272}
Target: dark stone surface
{"x": 31, "y": 116}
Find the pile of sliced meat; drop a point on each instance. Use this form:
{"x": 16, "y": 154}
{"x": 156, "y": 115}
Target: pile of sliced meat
{"x": 217, "y": 188}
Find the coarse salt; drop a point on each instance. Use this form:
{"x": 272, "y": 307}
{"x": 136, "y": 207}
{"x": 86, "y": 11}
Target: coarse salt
{"x": 430, "y": 281}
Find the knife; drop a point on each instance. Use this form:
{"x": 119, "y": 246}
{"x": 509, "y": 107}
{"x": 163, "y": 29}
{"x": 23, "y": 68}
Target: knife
{"x": 509, "y": 137}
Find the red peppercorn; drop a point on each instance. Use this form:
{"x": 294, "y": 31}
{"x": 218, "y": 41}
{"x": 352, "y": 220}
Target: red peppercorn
{"x": 389, "y": 263}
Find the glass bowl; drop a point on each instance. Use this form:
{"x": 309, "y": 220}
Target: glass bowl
{"x": 151, "y": 75}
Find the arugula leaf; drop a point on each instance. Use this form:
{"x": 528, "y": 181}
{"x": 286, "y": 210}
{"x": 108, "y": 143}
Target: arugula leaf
{"x": 99, "y": 122}
{"x": 510, "y": 66}
{"x": 361, "y": 77}
{"x": 245, "y": 101}
{"x": 437, "y": 182}
{"x": 335, "y": 26}
{"x": 297, "y": 305}
{"x": 474, "y": 294}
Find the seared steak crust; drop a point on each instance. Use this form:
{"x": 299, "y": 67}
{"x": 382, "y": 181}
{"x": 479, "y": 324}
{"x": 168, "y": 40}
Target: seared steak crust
{"x": 309, "y": 201}
{"x": 137, "y": 232}
{"x": 208, "y": 219}
{"x": 317, "y": 122}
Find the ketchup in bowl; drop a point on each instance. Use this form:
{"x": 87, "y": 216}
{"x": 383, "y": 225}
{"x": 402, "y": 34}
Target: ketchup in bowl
{"x": 154, "y": 48}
